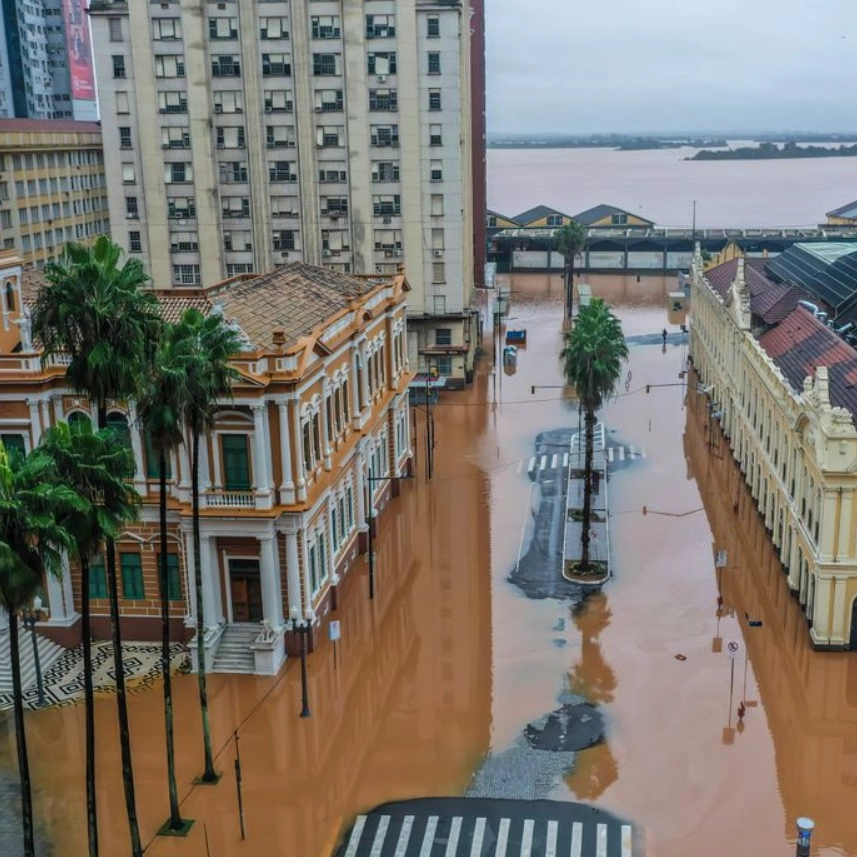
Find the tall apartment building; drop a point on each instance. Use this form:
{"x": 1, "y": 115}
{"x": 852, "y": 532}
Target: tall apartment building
{"x": 52, "y": 186}
{"x": 250, "y": 134}
{"x": 46, "y": 69}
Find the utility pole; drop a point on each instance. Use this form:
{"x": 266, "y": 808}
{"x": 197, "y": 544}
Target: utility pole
{"x": 693, "y": 227}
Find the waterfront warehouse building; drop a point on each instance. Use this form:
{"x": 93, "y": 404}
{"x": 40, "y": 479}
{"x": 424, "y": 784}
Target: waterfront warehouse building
{"x": 253, "y": 134}
{"x": 318, "y": 418}
{"x": 781, "y": 381}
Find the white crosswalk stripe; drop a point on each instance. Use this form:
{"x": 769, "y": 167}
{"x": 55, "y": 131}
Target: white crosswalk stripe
{"x": 554, "y": 459}
{"x": 454, "y": 833}
{"x": 527, "y": 841}
{"x": 565, "y": 460}
{"x": 621, "y": 453}
{"x": 550, "y": 845}
{"x": 356, "y": 833}
{"x": 404, "y": 836}
{"x": 610, "y": 454}
{"x": 503, "y": 838}
{"x": 531, "y": 465}
{"x": 428, "y": 839}
{"x": 380, "y": 836}
{"x": 601, "y": 841}
{"x": 626, "y": 840}
{"x": 544, "y": 462}
{"x": 478, "y": 836}
{"x": 576, "y": 838}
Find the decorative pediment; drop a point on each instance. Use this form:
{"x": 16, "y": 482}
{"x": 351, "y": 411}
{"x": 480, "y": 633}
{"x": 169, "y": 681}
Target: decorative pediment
{"x": 738, "y": 299}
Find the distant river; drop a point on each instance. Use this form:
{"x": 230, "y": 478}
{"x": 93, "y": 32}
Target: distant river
{"x": 660, "y": 185}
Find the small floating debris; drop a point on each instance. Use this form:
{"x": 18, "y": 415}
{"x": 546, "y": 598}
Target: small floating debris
{"x": 681, "y": 657}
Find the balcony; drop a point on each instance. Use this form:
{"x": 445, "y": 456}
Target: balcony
{"x": 229, "y": 500}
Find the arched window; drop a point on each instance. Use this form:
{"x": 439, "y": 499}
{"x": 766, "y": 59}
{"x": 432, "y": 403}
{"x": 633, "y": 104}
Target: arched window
{"x": 76, "y": 417}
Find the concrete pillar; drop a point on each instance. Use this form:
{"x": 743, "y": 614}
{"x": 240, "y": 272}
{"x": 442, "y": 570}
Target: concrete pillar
{"x": 287, "y": 487}
{"x": 837, "y": 635}
{"x": 35, "y": 421}
{"x": 272, "y": 590}
{"x": 59, "y": 416}
{"x": 299, "y": 458}
{"x": 293, "y": 572}
{"x": 261, "y": 458}
{"x": 46, "y": 414}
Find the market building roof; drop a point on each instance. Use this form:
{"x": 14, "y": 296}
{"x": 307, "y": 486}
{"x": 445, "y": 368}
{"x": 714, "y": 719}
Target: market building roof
{"x": 538, "y": 213}
{"x": 593, "y": 216}
{"x": 846, "y": 212}
{"x": 824, "y": 270}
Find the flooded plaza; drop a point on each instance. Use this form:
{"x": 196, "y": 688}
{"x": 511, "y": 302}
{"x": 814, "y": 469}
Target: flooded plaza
{"x": 451, "y": 661}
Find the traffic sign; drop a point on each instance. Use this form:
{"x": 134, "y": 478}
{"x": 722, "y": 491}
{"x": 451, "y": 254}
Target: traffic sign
{"x": 334, "y": 630}
{"x": 733, "y": 647}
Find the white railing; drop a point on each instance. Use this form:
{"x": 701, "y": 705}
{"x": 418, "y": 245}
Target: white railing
{"x": 234, "y": 499}
{"x": 60, "y": 359}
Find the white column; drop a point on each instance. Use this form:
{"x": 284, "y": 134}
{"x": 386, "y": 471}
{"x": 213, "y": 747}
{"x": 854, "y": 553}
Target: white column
{"x": 837, "y": 632}
{"x": 325, "y": 429}
{"x": 35, "y": 421}
{"x": 184, "y": 464}
{"x": 261, "y": 459}
{"x": 56, "y": 600}
{"x": 364, "y": 374}
{"x": 293, "y": 572}
{"x": 212, "y": 603}
{"x": 821, "y": 610}
{"x": 204, "y": 464}
{"x": 272, "y": 590}
{"x": 357, "y": 405}
{"x": 59, "y": 416}
{"x": 191, "y": 578}
{"x": 287, "y": 488}
{"x": 134, "y": 431}
{"x": 305, "y": 577}
{"x": 299, "y": 458}
{"x": 361, "y": 490}
{"x": 46, "y": 414}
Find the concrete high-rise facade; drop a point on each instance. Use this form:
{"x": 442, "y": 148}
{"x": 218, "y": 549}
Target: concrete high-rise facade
{"x": 250, "y": 134}
{"x": 46, "y": 69}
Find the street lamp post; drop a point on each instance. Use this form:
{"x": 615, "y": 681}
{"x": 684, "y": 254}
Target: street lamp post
{"x": 29, "y": 616}
{"x": 370, "y": 518}
{"x": 301, "y": 627}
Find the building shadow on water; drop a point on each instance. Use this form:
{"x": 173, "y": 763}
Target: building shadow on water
{"x": 809, "y": 698}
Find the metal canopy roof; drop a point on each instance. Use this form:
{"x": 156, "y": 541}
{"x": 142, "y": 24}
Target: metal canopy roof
{"x": 827, "y": 271}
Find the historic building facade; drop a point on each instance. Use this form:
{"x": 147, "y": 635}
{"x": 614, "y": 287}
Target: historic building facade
{"x": 777, "y": 379}
{"x": 318, "y": 418}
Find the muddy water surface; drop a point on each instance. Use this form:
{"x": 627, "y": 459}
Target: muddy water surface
{"x": 451, "y": 660}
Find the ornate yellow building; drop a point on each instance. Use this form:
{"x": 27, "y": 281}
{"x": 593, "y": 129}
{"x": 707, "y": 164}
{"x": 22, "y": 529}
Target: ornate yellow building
{"x": 781, "y": 384}
{"x": 319, "y": 417}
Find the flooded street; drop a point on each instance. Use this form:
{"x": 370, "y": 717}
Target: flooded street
{"x": 451, "y": 660}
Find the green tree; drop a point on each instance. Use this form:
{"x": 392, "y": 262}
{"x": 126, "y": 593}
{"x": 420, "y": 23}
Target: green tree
{"x": 95, "y": 466}
{"x": 31, "y": 544}
{"x": 98, "y": 313}
{"x": 569, "y": 240}
{"x": 161, "y": 409}
{"x": 593, "y": 355}
{"x": 208, "y": 382}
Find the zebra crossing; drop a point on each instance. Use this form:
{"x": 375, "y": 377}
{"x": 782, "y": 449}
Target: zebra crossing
{"x": 538, "y": 463}
{"x": 487, "y": 834}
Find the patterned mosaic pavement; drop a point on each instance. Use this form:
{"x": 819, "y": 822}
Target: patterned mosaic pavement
{"x": 64, "y": 679}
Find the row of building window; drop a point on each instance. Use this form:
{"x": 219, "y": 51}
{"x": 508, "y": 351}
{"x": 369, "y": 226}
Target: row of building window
{"x": 274, "y": 28}
{"x": 133, "y": 582}
{"x": 53, "y": 160}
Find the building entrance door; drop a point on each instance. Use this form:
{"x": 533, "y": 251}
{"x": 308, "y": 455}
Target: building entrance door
{"x": 246, "y": 588}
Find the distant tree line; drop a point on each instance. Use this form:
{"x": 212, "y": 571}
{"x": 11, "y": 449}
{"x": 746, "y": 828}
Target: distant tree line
{"x": 771, "y": 151}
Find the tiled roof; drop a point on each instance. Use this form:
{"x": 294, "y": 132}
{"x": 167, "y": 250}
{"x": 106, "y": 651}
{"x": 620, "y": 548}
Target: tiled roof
{"x": 800, "y": 343}
{"x": 847, "y": 211}
{"x": 296, "y": 298}
{"x": 536, "y": 213}
{"x": 593, "y": 215}
{"x": 40, "y": 126}
{"x": 769, "y": 300}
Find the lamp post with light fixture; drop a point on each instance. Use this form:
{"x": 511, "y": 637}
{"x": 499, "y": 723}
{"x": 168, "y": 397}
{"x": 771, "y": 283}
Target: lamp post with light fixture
{"x": 29, "y": 616}
{"x": 301, "y": 627}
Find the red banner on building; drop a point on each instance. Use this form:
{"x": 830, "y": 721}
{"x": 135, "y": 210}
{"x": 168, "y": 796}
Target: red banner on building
{"x": 79, "y": 50}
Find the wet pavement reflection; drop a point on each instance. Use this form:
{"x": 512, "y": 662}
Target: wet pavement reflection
{"x": 452, "y": 660}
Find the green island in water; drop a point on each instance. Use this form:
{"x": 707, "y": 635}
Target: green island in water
{"x": 771, "y": 151}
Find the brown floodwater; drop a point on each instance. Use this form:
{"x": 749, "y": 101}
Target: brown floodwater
{"x": 450, "y": 660}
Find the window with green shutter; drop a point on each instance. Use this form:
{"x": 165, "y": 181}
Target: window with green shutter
{"x": 174, "y": 583}
{"x": 97, "y": 578}
{"x": 152, "y": 465}
{"x": 132, "y": 576}
{"x": 14, "y": 444}
{"x": 236, "y": 462}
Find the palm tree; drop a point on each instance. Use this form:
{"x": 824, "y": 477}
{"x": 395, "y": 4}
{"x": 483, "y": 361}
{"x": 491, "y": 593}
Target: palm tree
{"x": 208, "y": 381}
{"x": 569, "y": 240}
{"x": 96, "y": 467}
{"x": 97, "y": 312}
{"x": 593, "y": 355}
{"x": 161, "y": 409}
{"x": 31, "y": 543}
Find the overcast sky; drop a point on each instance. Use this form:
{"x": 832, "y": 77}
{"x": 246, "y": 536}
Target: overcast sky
{"x": 583, "y": 66}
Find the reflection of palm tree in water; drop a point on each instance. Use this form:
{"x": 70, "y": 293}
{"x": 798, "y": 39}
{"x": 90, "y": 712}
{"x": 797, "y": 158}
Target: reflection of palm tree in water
{"x": 594, "y": 769}
{"x": 591, "y": 677}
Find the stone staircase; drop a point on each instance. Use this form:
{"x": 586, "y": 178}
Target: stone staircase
{"x": 234, "y": 654}
{"x": 48, "y": 654}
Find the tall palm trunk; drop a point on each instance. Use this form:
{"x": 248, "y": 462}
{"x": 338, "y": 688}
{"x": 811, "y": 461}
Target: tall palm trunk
{"x": 589, "y": 430}
{"x": 209, "y": 775}
{"x": 569, "y": 289}
{"x": 121, "y": 696}
{"x": 88, "y": 709}
{"x": 21, "y": 739}
{"x": 175, "y": 822}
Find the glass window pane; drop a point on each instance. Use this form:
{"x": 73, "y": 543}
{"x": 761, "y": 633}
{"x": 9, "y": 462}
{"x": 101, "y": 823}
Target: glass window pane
{"x": 97, "y": 578}
{"x": 132, "y": 576}
{"x": 236, "y": 462}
